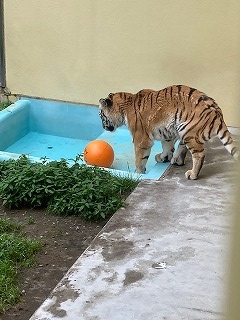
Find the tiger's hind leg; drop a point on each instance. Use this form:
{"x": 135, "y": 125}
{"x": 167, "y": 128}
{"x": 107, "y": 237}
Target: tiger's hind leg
{"x": 179, "y": 157}
{"x": 198, "y": 155}
{"x": 168, "y": 150}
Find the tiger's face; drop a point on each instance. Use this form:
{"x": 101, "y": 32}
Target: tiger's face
{"x": 110, "y": 112}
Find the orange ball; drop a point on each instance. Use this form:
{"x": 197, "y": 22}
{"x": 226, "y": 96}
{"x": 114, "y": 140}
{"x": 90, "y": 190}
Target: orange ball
{"x": 99, "y": 153}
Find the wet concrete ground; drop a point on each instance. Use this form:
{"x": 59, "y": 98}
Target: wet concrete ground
{"x": 163, "y": 256}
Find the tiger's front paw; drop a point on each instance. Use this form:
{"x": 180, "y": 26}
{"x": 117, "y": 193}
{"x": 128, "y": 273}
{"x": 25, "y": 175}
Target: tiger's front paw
{"x": 164, "y": 157}
{"x": 190, "y": 175}
{"x": 141, "y": 170}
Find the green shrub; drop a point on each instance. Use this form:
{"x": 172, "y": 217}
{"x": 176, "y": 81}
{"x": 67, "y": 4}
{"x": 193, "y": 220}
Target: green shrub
{"x": 91, "y": 192}
{"x": 4, "y": 104}
{"x": 16, "y": 251}
{"x": 7, "y": 225}
{"x": 9, "y": 290}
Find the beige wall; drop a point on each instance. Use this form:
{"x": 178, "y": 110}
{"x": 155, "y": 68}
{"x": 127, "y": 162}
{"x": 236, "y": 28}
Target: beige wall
{"x": 80, "y": 50}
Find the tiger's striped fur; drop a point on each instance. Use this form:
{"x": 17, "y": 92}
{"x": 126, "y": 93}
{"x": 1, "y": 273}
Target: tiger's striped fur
{"x": 175, "y": 113}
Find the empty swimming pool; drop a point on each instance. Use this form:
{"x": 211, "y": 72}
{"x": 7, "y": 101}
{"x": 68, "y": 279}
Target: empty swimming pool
{"x": 54, "y": 130}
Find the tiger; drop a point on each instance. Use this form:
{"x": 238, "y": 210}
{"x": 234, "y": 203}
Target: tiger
{"x": 177, "y": 112}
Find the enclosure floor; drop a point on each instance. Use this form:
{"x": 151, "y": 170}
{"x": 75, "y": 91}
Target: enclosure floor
{"x": 165, "y": 255}
{"x": 55, "y": 147}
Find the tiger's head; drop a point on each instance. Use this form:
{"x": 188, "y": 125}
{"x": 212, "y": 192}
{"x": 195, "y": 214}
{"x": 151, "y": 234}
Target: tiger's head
{"x": 111, "y": 111}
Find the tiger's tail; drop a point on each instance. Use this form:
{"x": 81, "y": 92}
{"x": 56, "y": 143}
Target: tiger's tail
{"x": 227, "y": 140}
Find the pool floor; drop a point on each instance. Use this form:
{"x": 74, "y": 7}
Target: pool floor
{"x": 52, "y": 147}
{"x": 55, "y": 147}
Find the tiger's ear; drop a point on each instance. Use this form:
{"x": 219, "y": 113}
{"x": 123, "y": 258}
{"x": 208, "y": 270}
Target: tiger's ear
{"x": 102, "y": 101}
{"x": 105, "y": 102}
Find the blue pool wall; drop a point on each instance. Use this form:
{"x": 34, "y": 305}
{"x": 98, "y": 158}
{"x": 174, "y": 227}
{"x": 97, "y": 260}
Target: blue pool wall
{"x": 22, "y": 117}
{"x": 14, "y": 123}
{"x": 71, "y": 122}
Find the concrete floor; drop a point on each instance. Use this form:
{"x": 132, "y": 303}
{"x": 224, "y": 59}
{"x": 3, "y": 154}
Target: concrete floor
{"x": 164, "y": 256}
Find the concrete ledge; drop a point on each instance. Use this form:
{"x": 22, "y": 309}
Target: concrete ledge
{"x": 164, "y": 256}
